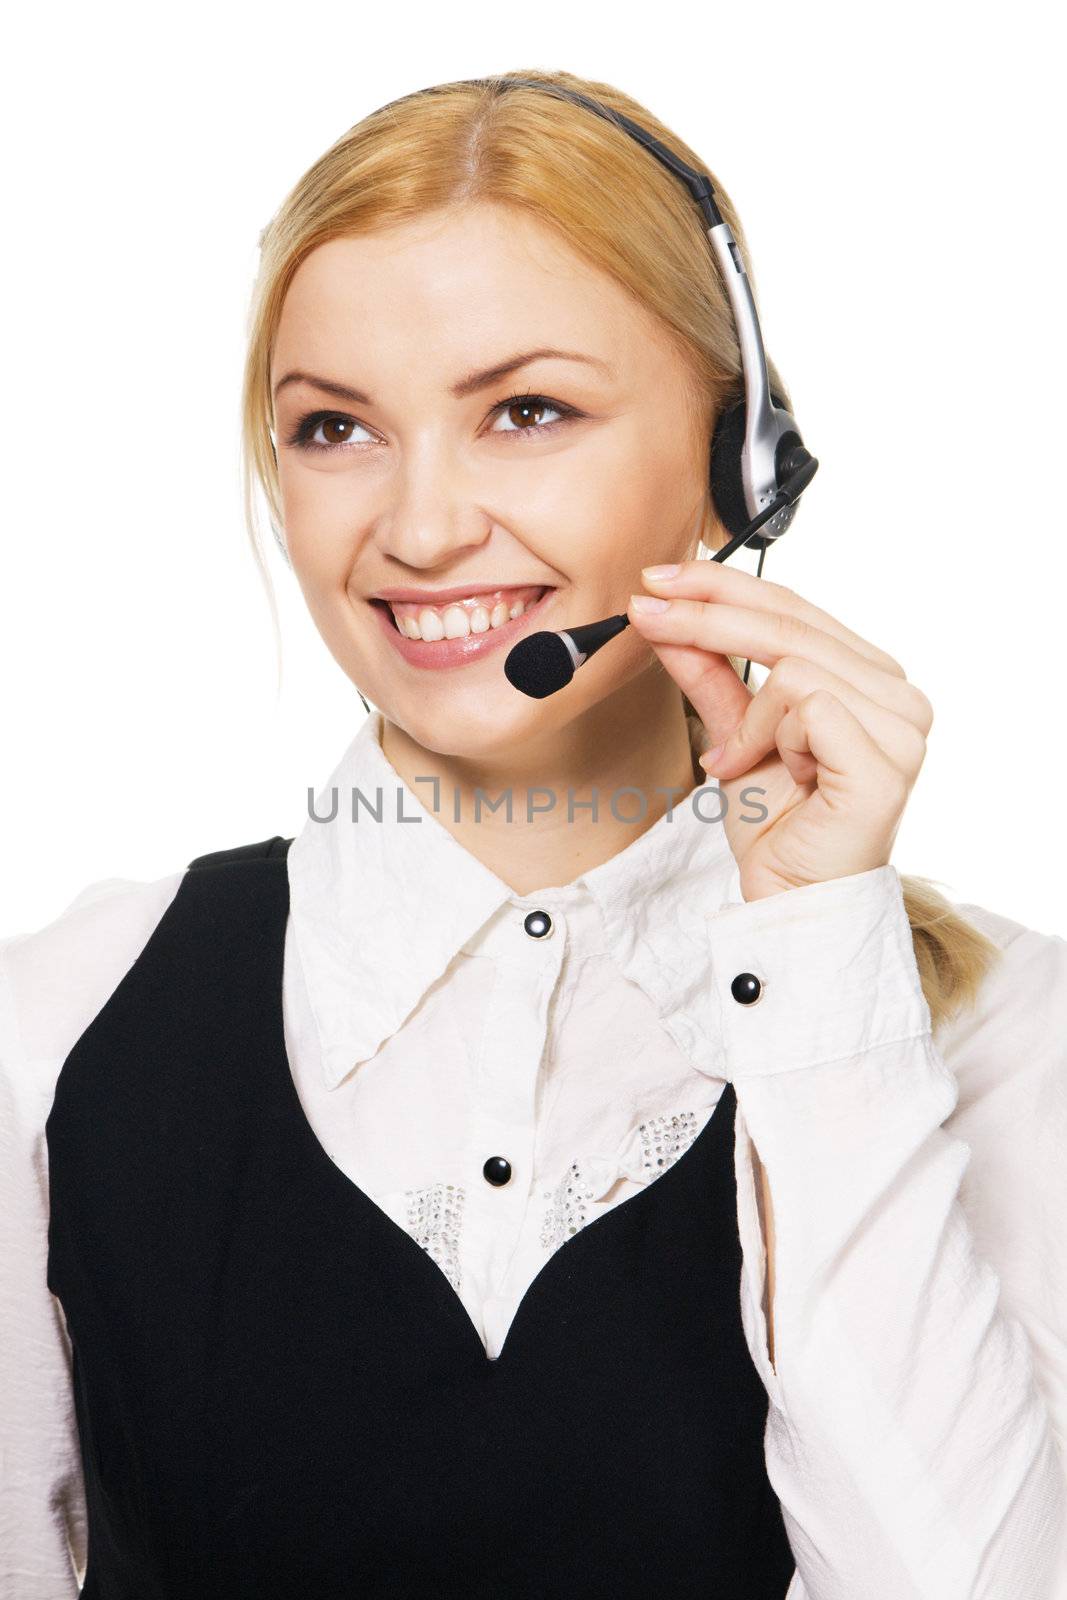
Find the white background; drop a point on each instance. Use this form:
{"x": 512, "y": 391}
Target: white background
{"x": 898, "y": 173}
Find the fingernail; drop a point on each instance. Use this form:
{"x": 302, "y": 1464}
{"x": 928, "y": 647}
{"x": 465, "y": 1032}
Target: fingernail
{"x": 648, "y": 602}
{"x": 671, "y": 570}
{"x": 709, "y": 758}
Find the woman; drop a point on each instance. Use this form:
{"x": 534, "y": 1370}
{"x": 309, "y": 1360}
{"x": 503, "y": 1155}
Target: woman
{"x": 544, "y": 1174}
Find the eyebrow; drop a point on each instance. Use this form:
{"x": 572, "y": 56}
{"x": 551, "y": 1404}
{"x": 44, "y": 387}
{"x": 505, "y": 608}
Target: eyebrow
{"x": 466, "y": 386}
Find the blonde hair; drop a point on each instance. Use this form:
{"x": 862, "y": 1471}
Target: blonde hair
{"x": 616, "y": 206}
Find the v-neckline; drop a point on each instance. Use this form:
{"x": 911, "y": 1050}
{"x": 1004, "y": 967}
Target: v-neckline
{"x": 438, "y": 1286}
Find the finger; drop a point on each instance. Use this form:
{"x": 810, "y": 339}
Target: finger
{"x": 768, "y": 637}
{"x": 851, "y": 768}
{"x": 785, "y": 686}
{"x": 714, "y": 580}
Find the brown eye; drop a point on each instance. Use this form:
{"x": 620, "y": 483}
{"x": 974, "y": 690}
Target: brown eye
{"x": 526, "y": 411}
{"x": 325, "y": 430}
{"x": 337, "y": 430}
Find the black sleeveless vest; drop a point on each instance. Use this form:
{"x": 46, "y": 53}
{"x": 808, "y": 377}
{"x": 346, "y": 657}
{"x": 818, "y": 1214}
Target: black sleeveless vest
{"x": 280, "y": 1396}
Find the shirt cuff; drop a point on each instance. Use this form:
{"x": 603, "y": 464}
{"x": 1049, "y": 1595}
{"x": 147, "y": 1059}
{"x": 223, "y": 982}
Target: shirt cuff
{"x": 834, "y": 969}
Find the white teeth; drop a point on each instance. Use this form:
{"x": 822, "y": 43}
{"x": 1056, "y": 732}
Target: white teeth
{"x": 456, "y": 623}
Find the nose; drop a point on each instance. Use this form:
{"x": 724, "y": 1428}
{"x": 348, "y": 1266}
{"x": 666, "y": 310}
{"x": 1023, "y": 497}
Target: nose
{"x": 432, "y": 512}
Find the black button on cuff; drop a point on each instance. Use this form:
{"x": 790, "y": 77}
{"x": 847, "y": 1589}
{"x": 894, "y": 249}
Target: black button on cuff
{"x": 746, "y": 988}
{"x": 497, "y": 1171}
{"x": 538, "y": 924}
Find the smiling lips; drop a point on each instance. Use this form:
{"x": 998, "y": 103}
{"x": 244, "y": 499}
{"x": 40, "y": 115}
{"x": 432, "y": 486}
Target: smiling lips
{"x": 458, "y": 619}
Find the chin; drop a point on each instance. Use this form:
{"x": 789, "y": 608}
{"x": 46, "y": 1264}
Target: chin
{"x": 473, "y": 724}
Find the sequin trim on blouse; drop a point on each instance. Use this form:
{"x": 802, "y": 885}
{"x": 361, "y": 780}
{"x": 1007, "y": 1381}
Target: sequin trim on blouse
{"x": 435, "y": 1217}
{"x": 663, "y": 1140}
{"x": 567, "y": 1207}
{"x": 666, "y": 1138}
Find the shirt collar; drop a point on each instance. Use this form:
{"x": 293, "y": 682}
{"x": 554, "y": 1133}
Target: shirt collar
{"x": 381, "y": 908}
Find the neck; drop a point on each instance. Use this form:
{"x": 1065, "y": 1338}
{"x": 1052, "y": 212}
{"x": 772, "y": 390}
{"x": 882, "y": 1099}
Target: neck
{"x": 635, "y": 740}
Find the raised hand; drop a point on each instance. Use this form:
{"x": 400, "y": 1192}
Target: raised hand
{"x": 835, "y": 736}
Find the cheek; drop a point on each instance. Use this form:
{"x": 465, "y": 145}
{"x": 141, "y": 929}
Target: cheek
{"x": 622, "y": 483}
{"x": 646, "y": 493}
{"x": 321, "y": 530}
{"x": 313, "y": 499}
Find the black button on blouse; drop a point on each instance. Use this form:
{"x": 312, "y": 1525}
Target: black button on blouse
{"x": 746, "y": 988}
{"x": 538, "y": 924}
{"x": 497, "y": 1170}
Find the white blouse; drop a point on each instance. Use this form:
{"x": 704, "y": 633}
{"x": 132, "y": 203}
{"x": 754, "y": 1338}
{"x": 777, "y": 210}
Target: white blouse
{"x": 917, "y": 1426}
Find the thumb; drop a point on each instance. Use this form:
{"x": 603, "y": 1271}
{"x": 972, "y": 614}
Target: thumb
{"x": 711, "y": 685}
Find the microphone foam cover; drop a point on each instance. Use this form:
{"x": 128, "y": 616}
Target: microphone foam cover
{"x": 539, "y": 665}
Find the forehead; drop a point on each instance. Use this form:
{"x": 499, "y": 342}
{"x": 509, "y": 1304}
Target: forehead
{"x": 473, "y": 280}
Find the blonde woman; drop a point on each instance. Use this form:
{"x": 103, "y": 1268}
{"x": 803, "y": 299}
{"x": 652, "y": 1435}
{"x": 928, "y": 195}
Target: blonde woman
{"x": 578, "y": 1162}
